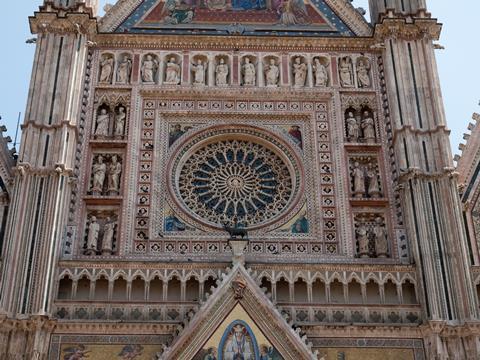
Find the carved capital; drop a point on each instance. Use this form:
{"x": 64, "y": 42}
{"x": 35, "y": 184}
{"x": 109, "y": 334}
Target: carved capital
{"x": 57, "y": 23}
{"x": 398, "y": 28}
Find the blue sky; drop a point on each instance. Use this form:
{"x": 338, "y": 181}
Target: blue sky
{"x": 458, "y": 63}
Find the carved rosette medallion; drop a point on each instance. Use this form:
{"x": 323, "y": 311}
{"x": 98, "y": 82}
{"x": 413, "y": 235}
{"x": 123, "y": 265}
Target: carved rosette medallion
{"x": 242, "y": 174}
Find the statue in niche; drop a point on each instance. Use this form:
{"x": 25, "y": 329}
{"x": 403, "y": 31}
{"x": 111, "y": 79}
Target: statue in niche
{"x": 198, "y": 73}
{"x": 368, "y": 126}
{"x": 321, "y": 73}
{"x": 173, "y": 72}
{"x": 106, "y": 70}
{"x": 373, "y": 181}
{"x": 108, "y": 235}
{"x": 114, "y": 172}
{"x": 363, "y": 73}
{"x": 149, "y": 69}
{"x": 120, "y": 120}
{"x": 103, "y": 119}
{"x": 353, "y": 128}
{"x": 99, "y": 170}
{"x": 380, "y": 235}
{"x": 272, "y": 72}
{"x": 124, "y": 70}
{"x": 299, "y": 72}
{"x": 221, "y": 73}
{"x": 92, "y": 238}
{"x": 346, "y": 72}
{"x": 296, "y": 134}
{"x": 362, "y": 239}
{"x": 249, "y": 73}
{"x": 358, "y": 181}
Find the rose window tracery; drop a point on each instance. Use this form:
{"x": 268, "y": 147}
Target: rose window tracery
{"x": 236, "y": 178}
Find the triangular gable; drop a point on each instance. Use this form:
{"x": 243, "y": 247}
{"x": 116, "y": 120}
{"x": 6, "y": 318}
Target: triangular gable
{"x": 238, "y": 304}
{"x": 240, "y": 17}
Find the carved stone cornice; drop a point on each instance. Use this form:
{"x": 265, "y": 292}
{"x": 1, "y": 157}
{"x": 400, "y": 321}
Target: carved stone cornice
{"x": 419, "y": 174}
{"x": 113, "y": 328}
{"x": 411, "y": 130}
{"x": 58, "y": 23}
{"x": 231, "y": 43}
{"x": 445, "y": 329}
{"x": 400, "y": 28}
{"x": 25, "y": 169}
{"x": 33, "y": 323}
{"x": 362, "y": 331}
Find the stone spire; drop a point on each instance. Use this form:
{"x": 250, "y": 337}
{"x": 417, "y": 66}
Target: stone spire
{"x": 91, "y": 5}
{"x": 420, "y": 141}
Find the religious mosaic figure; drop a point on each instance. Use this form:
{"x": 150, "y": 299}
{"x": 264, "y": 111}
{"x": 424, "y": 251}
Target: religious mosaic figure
{"x": 362, "y": 239}
{"x": 296, "y": 134}
{"x": 353, "y": 128}
{"x": 358, "y": 180}
{"x": 130, "y": 352}
{"x": 238, "y": 347}
{"x": 120, "y": 119}
{"x": 177, "y": 12}
{"x": 99, "y": 171}
{"x": 363, "y": 74}
{"x": 114, "y": 172}
{"x": 211, "y": 354}
{"x": 221, "y": 73}
{"x": 108, "y": 234}
{"x": 172, "y": 72}
{"x": 346, "y": 72}
{"x": 124, "y": 70}
{"x": 172, "y": 223}
{"x": 272, "y": 72}
{"x": 380, "y": 235}
{"x": 198, "y": 73}
{"x": 106, "y": 70}
{"x": 373, "y": 182}
{"x": 93, "y": 233}
{"x": 249, "y": 73}
{"x": 248, "y": 4}
{"x": 103, "y": 119}
{"x": 149, "y": 69}
{"x": 368, "y": 126}
{"x": 321, "y": 73}
{"x": 293, "y": 12}
{"x": 78, "y": 352}
{"x": 300, "y": 226}
{"x": 175, "y": 134}
{"x": 299, "y": 72}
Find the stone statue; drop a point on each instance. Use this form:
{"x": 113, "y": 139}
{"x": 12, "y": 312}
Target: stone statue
{"x": 106, "y": 70}
{"x": 346, "y": 72}
{"x": 173, "y": 72}
{"x": 368, "y": 126}
{"x": 149, "y": 69}
{"x": 299, "y": 72}
{"x": 92, "y": 238}
{"x": 380, "y": 234}
{"x": 103, "y": 119}
{"x": 124, "y": 70}
{"x": 362, "y": 239}
{"x": 373, "y": 182}
{"x": 321, "y": 73}
{"x": 120, "y": 122}
{"x": 353, "y": 128}
{"x": 108, "y": 234}
{"x": 99, "y": 170}
{"x": 199, "y": 73}
{"x": 221, "y": 73}
{"x": 363, "y": 74}
{"x": 114, "y": 172}
{"x": 358, "y": 181}
{"x": 272, "y": 72}
{"x": 249, "y": 73}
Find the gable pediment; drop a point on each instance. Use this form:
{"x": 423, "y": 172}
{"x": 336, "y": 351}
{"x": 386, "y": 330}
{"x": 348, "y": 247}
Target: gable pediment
{"x": 236, "y": 17}
{"x": 238, "y": 317}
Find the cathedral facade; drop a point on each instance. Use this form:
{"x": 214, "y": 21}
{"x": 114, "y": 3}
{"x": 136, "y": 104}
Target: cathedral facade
{"x": 237, "y": 179}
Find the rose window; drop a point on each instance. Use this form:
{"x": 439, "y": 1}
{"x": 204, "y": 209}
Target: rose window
{"x": 236, "y": 178}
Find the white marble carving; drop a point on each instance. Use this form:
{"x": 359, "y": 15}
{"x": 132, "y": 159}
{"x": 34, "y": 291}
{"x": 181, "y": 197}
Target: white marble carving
{"x": 358, "y": 176}
{"x": 114, "y": 173}
{"x": 102, "y": 124}
{"x": 108, "y": 236}
{"x": 221, "y": 73}
{"x": 149, "y": 69}
{"x": 353, "y": 127}
{"x": 381, "y": 239}
{"x": 106, "y": 69}
{"x": 172, "y": 72}
{"x": 299, "y": 72}
{"x": 321, "y": 73}
{"x": 124, "y": 70}
{"x": 368, "y": 127}
{"x": 373, "y": 181}
{"x": 198, "y": 70}
{"x": 362, "y": 239}
{"x": 99, "y": 171}
{"x": 249, "y": 72}
{"x": 92, "y": 238}
{"x": 120, "y": 120}
{"x": 272, "y": 73}
{"x": 346, "y": 72}
{"x": 363, "y": 73}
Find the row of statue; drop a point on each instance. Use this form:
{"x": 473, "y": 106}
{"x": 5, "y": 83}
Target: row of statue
{"x": 350, "y": 73}
{"x": 365, "y": 180}
{"x": 106, "y": 176}
{"x": 374, "y": 233}
{"x": 103, "y": 124}
{"x": 361, "y": 129}
{"x": 97, "y": 244}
